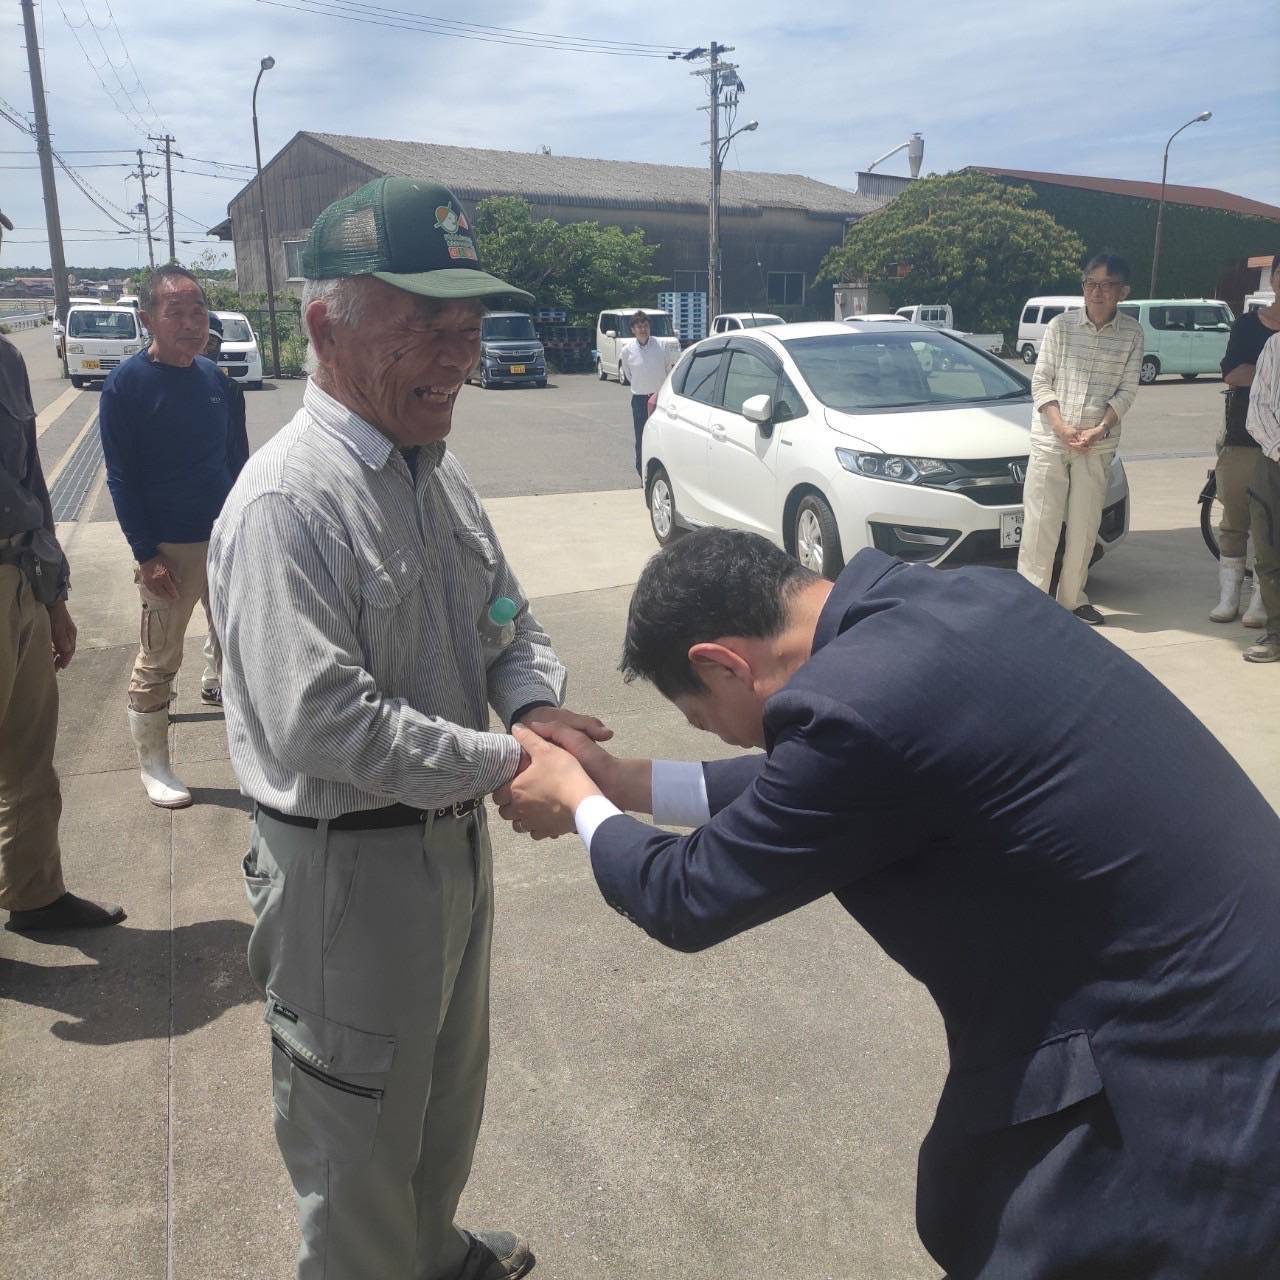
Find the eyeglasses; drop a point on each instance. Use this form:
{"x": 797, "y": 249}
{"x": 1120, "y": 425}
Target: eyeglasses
{"x": 1102, "y": 286}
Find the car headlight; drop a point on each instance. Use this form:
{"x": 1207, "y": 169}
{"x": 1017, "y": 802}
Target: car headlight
{"x": 892, "y": 466}
{"x": 130, "y": 351}
{"x": 75, "y": 349}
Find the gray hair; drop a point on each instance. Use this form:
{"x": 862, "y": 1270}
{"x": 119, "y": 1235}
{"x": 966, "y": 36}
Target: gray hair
{"x": 154, "y": 279}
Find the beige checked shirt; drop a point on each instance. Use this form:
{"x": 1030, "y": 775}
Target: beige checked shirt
{"x": 1264, "y": 401}
{"x": 1085, "y": 369}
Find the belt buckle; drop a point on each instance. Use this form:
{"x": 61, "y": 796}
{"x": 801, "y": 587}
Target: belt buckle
{"x": 461, "y": 808}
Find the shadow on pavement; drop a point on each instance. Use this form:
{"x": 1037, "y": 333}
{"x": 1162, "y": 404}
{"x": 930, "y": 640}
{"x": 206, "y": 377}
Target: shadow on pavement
{"x": 224, "y": 797}
{"x": 124, "y": 995}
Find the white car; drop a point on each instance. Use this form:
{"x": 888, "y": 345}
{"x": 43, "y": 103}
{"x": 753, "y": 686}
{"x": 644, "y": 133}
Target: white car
{"x": 99, "y": 339}
{"x": 829, "y": 437}
{"x": 732, "y": 321}
{"x": 613, "y": 332}
{"x": 240, "y": 357}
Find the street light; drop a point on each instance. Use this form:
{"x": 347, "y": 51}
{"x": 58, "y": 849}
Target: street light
{"x": 264, "y": 66}
{"x": 1164, "y": 174}
{"x": 713, "y": 263}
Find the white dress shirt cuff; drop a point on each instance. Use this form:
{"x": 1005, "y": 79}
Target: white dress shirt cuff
{"x": 679, "y": 794}
{"x": 590, "y": 814}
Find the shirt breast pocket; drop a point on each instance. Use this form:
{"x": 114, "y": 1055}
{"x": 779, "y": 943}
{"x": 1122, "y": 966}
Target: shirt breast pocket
{"x": 384, "y": 586}
{"x": 479, "y": 561}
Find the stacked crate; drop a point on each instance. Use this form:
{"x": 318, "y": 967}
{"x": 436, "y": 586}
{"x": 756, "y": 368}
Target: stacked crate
{"x": 688, "y": 312}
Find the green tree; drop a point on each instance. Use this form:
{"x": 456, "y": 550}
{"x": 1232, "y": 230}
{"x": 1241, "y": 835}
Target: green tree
{"x": 580, "y": 266}
{"x": 965, "y": 239}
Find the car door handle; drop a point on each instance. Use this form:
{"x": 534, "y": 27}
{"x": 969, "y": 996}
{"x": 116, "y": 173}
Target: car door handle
{"x": 719, "y": 433}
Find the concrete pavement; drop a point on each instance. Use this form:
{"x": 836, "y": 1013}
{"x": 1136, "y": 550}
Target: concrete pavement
{"x": 752, "y": 1111}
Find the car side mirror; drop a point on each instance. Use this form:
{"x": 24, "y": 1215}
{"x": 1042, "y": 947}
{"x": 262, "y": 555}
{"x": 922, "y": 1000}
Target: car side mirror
{"x": 759, "y": 409}
{"x": 611, "y": 333}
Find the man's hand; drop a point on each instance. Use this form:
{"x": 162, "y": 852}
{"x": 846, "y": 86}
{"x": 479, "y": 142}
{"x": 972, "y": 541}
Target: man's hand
{"x": 540, "y": 717}
{"x": 628, "y": 783}
{"x": 1068, "y": 435}
{"x": 160, "y": 577}
{"x": 1086, "y": 439}
{"x": 543, "y": 799}
{"x": 63, "y": 633}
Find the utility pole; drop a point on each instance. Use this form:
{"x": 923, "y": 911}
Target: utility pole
{"x": 57, "y": 262}
{"x": 168, "y": 182}
{"x": 146, "y": 209}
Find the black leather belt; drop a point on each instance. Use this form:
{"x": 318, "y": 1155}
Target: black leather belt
{"x": 394, "y": 815}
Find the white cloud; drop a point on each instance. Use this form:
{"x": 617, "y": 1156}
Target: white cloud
{"x": 1095, "y": 87}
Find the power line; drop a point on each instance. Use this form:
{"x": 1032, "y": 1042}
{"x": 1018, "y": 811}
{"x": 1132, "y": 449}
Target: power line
{"x": 121, "y": 165}
{"x": 115, "y": 70}
{"x": 129, "y": 59}
{"x": 140, "y": 124}
{"x": 402, "y": 20}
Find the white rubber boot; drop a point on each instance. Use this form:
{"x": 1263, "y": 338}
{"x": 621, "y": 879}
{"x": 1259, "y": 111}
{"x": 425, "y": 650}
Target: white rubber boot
{"x": 150, "y": 730}
{"x": 1230, "y": 577}
{"x": 1255, "y": 615}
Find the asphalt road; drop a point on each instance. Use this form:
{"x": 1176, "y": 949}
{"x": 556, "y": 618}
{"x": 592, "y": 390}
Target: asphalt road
{"x": 751, "y": 1111}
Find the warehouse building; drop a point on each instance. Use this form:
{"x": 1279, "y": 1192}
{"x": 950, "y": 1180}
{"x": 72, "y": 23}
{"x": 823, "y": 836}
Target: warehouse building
{"x": 775, "y": 228}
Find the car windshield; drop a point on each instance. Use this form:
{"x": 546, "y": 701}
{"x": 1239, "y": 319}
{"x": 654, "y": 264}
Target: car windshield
{"x": 659, "y": 326}
{"x": 235, "y": 329}
{"x": 883, "y": 369}
{"x": 118, "y": 325}
{"x": 508, "y": 329}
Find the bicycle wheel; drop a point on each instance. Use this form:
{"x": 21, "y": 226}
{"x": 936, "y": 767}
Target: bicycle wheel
{"x": 1210, "y": 513}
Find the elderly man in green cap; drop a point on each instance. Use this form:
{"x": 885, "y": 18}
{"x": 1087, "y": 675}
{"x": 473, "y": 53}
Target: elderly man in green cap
{"x": 369, "y": 621}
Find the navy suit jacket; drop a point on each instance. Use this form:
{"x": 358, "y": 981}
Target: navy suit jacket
{"x": 1083, "y": 878}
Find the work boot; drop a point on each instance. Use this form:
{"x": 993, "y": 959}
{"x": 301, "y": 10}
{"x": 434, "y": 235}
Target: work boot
{"x": 1266, "y": 650}
{"x": 1255, "y": 615}
{"x": 1230, "y": 577}
{"x": 495, "y": 1255}
{"x": 150, "y": 730}
{"x": 66, "y": 912}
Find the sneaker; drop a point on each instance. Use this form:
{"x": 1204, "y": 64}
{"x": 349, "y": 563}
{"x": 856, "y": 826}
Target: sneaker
{"x": 1088, "y": 614}
{"x": 212, "y": 697}
{"x": 495, "y": 1255}
{"x": 1266, "y": 650}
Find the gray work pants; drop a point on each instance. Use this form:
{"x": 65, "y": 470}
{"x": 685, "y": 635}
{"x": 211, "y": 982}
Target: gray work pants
{"x": 373, "y": 950}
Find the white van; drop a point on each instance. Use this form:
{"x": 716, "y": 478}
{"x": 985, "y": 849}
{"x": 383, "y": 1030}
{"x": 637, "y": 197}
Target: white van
{"x": 98, "y": 339}
{"x": 732, "y": 321}
{"x": 937, "y": 315}
{"x": 613, "y": 331}
{"x": 1256, "y": 301}
{"x": 1036, "y": 314}
{"x": 240, "y": 357}
{"x": 1181, "y": 335}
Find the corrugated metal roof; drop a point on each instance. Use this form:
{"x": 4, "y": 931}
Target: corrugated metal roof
{"x": 1202, "y": 197}
{"x": 473, "y": 173}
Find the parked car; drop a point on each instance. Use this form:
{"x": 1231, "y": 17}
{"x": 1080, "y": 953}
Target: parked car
{"x": 241, "y": 356}
{"x": 887, "y": 316}
{"x": 98, "y": 339}
{"x": 1036, "y": 314}
{"x": 510, "y": 352}
{"x": 60, "y": 326}
{"x": 730, "y": 321}
{"x": 613, "y": 330}
{"x": 129, "y": 300}
{"x": 1256, "y": 301}
{"x": 937, "y": 315}
{"x": 828, "y": 437}
{"x": 1181, "y": 335}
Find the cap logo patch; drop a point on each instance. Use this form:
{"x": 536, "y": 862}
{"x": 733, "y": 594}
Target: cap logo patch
{"x": 453, "y": 222}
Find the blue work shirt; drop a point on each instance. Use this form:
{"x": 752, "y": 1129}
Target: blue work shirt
{"x": 171, "y": 450}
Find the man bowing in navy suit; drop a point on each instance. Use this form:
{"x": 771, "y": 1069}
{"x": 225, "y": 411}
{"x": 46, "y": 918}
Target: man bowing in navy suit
{"x": 1026, "y": 821}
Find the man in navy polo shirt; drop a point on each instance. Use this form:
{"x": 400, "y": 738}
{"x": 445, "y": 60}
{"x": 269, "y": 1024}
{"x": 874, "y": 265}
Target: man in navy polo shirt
{"x": 172, "y": 457}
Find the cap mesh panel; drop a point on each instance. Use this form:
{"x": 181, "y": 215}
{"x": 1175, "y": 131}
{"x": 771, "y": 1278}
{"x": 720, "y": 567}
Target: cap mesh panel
{"x": 348, "y": 239}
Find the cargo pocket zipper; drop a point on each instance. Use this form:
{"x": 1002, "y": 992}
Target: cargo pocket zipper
{"x": 344, "y": 1086}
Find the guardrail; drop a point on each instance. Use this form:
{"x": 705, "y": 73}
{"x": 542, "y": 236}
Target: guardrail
{"x": 23, "y": 322}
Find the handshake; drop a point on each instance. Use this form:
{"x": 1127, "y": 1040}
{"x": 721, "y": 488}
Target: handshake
{"x": 562, "y": 764}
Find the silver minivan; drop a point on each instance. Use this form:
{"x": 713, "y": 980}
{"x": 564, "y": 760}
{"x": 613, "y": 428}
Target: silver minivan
{"x": 1181, "y": 335}
{"x": 1036, "y": 314}
{"x": 613, "y": 332}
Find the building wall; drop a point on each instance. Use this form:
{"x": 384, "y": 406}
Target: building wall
{"x": 305, "y": 177}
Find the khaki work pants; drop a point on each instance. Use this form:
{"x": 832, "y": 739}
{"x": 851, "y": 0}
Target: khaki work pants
{"x": 1235, "y": 474}
{"x": 373, "y": 950}
{"x": 30, "y": 798}
{"x": 1062, "y": 486}
{"x": 1264, "y": 513}
{"x": 164, "y": 627}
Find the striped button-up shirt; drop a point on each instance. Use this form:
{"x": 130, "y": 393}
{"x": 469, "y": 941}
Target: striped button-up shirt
{"x": 1263, "y": 422}
{"x": 1086, "y": 369}
{"x": 347, "y": 598}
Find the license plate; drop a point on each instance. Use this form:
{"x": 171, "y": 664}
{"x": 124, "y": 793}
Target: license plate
{"x": 90, "y": 364}
{"x": 517, "y": 368}
{"x": 1010, "y": 529}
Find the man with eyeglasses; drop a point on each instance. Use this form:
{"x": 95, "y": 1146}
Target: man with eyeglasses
{"x": 647, "y": 364}
{"x": 1085, "y": 379}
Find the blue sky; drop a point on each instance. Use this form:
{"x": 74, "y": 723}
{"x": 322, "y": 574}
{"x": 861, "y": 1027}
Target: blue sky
{"x": 1091, "y": 87}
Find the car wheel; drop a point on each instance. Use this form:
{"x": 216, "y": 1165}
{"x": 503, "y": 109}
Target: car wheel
{"x": 540, "y": 382}
{"x": 662, "y": 508}
{"x": 1028, "y": 353}
{"x": 485, "y": 384}
{"x": 1190, "y": 377}
{"x": 604, "y": 377}
{"x": 817, "y": 539}
{"x": 77, "y": 381}
{"x": 623, "y": 380}
{"x": 1150, "y": 370}
{"x": 255, "y": 385}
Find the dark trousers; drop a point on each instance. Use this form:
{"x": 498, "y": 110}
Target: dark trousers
{"x": 639, "y": 412}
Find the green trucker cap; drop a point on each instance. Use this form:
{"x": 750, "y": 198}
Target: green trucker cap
{"x": 414, "y": 235}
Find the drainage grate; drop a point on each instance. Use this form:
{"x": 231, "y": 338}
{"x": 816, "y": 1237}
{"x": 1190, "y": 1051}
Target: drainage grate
{"x": 73, "y": 484}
